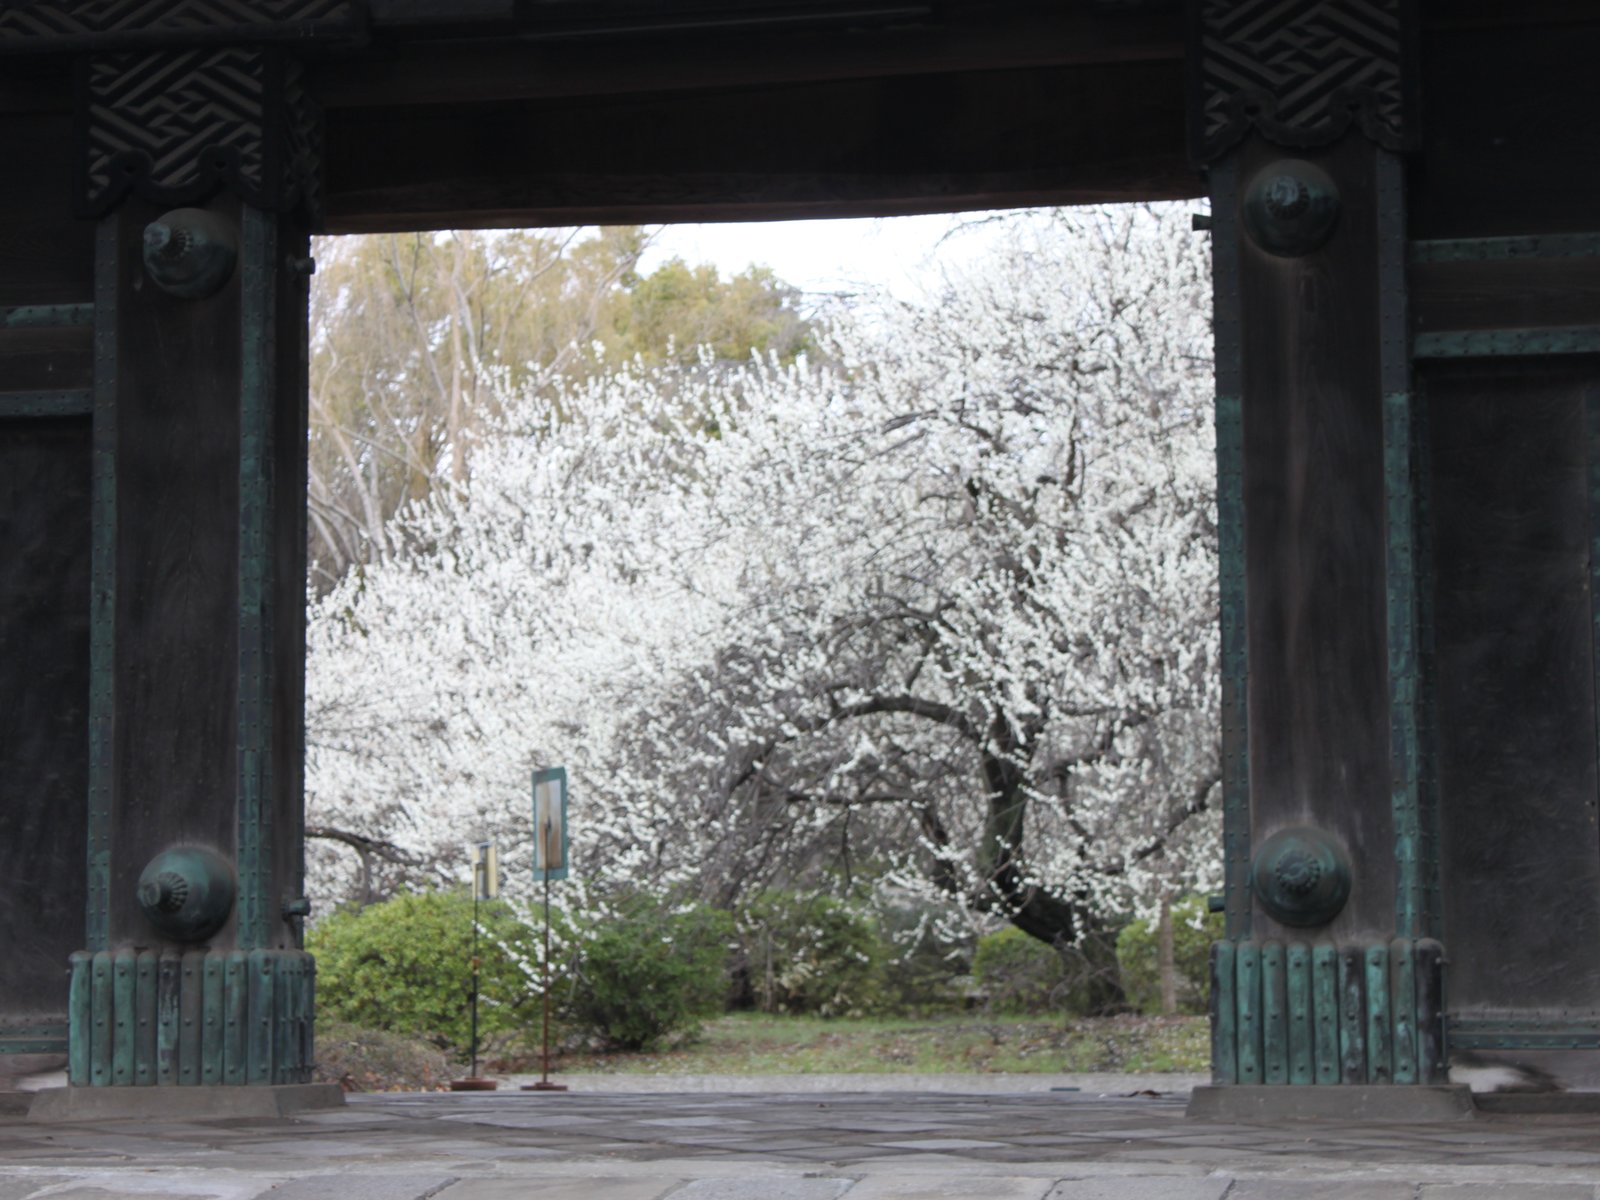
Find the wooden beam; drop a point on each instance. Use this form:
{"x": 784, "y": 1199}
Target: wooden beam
{"x": 431, "y": 71}
{"x": 881, "y": 146}
{"x": 1485, "y": 284}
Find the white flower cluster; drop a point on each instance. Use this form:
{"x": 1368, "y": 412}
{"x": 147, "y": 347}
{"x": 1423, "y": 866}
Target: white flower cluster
{"x": 934, "y": 609}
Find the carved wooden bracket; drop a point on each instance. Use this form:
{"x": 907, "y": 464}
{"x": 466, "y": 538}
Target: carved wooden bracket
{"x": 1301, "y": 72}
{"x": 70, "y": 26}
{"x": 177, "y": 126}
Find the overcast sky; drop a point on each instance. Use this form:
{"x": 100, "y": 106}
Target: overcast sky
{"x": 901, "y": 253}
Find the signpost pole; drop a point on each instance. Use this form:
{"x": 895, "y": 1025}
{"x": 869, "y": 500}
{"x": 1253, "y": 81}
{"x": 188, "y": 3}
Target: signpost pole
{"x": 544, "y": 1084}
{"x": 485, "y": 886}
{"x": 550, "y": 862}
{"x": 475, "y": 891}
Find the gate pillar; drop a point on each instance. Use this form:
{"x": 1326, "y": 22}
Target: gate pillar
{"x": 197, "y": 166}
{"x": 1301, "y": 116}
{"x": 1408, "y": 432}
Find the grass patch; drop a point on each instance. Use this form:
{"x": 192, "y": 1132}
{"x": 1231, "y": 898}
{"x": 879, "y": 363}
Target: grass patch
{"x": 758, "y": 1044}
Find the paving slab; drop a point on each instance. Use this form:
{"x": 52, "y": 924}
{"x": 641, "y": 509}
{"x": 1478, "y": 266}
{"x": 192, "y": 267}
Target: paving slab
{"x": 363, "y": 1187}
{"x": 762, "y": 1187}
{"x": 959, "y": 1187}
{"x": 604, "y": 1187}
{"x": 142, "y": 1186}
{"x": 524, "y": 1120}
{"x": 1289, "y": 1189}
{"x": 349, "y": 1116}
{"x": 1142, "y": 1187}
{"x": 939, "y": 1145}
{"x": 29, "y": 1185}
{"x": 1506, "y": 1191}
{"x": 323, "y": 1151}
{"x": 998, "y": 1083}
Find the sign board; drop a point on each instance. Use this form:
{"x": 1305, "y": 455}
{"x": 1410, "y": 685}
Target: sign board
{"x": 550, "y": 824}
{"x": 485, "y": 871}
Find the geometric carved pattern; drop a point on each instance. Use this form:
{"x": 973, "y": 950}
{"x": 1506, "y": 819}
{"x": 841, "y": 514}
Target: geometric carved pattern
{"x": 175, "y": 126}
{"x": 1301, "y": 71}
{"x": 171, "y": 115}
{"x": 56, "y": 24}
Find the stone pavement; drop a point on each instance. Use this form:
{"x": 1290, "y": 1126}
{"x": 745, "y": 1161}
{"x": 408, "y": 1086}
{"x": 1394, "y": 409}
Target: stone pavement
{"x": 1105, "y": 1083}
{"x": 854, "y": 1145}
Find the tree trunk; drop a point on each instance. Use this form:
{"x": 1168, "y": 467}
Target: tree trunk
{"x": 1088, "y": 949}
{"x": 1094, "y": 977}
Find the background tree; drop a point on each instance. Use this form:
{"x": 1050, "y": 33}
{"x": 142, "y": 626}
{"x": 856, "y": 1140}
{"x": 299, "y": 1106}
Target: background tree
{"x": 409, "y": 329}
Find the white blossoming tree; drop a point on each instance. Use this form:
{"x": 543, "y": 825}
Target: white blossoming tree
{"x": 935, "y": 612}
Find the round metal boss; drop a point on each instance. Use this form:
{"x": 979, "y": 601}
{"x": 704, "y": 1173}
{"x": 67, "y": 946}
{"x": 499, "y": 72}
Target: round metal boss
{"x": 190, "y": 253}
{"x": 1291, "y": 207}
{"x": 1301, "y": 876}
{"x": 186, "y": 892}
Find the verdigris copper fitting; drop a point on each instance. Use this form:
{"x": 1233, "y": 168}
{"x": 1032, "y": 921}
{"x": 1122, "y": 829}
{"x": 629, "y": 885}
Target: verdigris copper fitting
{"x": 1301, "y": 876}
{"x": 187, "y": 892}
{"x": 190, "y": 253}
{"x": 1291, "y": 207}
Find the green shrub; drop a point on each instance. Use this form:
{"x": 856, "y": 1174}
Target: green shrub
{"x": 1018, "y": 973}
{"x": 811, "y": 954}
{"x": 925, "y": 973}
{"x": 651, "y": 970}
{"x": 1193, "y": 931}
{"x": 404, "y": 966}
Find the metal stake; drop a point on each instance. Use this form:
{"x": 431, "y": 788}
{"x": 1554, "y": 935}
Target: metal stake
{"x": 473, "y": 1083}
{"x": 475, "y": 890}
{"x": 544, "y": 1084}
